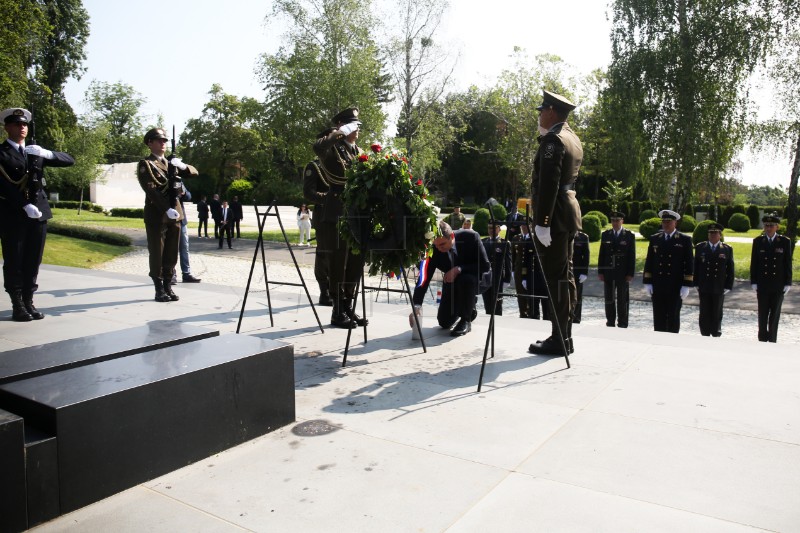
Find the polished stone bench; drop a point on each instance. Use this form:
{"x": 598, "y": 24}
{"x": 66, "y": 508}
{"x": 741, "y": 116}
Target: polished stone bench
{"x": 123, "y": 421}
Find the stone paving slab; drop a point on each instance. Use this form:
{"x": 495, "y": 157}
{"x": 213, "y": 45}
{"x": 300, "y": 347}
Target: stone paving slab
{"x": 399, "y": 440}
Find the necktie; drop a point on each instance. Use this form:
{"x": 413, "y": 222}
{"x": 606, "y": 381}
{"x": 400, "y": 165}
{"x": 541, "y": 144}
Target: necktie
{"x": 21, "y": 150}
{"x": 666, "y": 237}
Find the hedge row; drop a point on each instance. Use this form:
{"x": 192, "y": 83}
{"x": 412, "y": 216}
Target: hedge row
{"x": 73, "y": 204}
{"x": 127, "y": 212}
{"x": 89, "y": 234}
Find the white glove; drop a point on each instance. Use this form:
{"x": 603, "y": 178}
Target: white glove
{"x": 786, "y": 288}
{"x": 178, "y": 163}
{"x": 754, "y": 286}
{"x": 649, "y": 288}
{"x": 38, "y": 151}
{"x": 171, "y": 213}
{"x": 582, "y": 278}
{"x": 349, "y": 128}
{"x": 32, "y": 211}
{"x": 725, "y": 291}
{"x": 684, "y": 292}
{"x": 525, "y": 284}
{"x": 543, "y": 234}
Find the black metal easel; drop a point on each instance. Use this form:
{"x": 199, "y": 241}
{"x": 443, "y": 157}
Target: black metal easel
{"x": 500, "y": 296}
{"x": 406, "y": 291}
{"x": 262, "y": 222}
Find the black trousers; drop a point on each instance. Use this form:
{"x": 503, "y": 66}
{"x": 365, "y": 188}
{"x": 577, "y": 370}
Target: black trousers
{"x": 202, "y": 227}
{"x": 769, "y": 314}
{"x": 458, "y": 300}
{"x": 321, "y": 269}
{"x": 217, "y": 227}
{"x": 238, "y": 231}
{"x": 344, "y": 268}
{"x": 491, "y": 296}
{"x": 23, "y": 246}
{"x": 225, "y": 232}
{"x": 711, "y": 314}
{"x": 667, "y": 310}
{"x": 616, "y": 295}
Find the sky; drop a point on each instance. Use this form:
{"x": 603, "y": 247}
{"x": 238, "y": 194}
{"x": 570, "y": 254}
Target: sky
{"x": 196, "y": 43}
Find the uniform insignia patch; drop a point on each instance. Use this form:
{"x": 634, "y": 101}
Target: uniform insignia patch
{"x": 308, "y": 172}
{"x": 549, "y": 148}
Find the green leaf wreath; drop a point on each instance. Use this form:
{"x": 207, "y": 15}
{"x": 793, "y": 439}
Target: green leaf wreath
{"x": 388, "y": 215}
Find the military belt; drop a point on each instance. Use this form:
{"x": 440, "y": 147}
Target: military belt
{"x": 567, "y": 187}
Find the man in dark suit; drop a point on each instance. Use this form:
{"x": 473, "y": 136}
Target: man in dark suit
{"x": 499, "y": 254}
{"x": 216, "y": 214}
{"x": 337, "y": 150}
{"x": 462, "y": 258}
{"x": 202, "y": 215}
{"x": 615, "y": 268}
{"x": 513, "y": 222}
{"x": 713, "y": 278}
{"x": 580, "y": 270}
{"x": 770, "y": 276}
{"x": 238, "y": 215}
{"x": 557, "y": 215}
{"x": 226, "y": 224}
{"x": 668, "y": 272}
{"x": 24, "y": 212}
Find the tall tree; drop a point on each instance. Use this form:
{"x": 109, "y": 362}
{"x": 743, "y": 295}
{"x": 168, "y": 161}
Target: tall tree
{"x": 17, "y": 48}
{"x": 330, "y": 61}
{"x": 116, "y": 107}
{"x": 678, "y": 82}
{"x": 421, "y": 69}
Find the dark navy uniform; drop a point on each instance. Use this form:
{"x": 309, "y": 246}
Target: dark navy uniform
{"x": 499, "y": 253}
{"x": 616, "y": 264}
{"x": 580, "y": 266}
{"x": 770, "y": 271}
{"x": 522, "y": 258}
{"x": 668, "y": 267}
{"x": 713, "y": 275}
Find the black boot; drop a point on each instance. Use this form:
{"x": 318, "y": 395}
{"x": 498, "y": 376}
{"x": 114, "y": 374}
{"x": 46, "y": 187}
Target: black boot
{"x": 27, "y": 300}
{"x": 324, "y": 297}
{"x": 168, "y": 291}
{"x": 339, "y": 318}
{"x": 161, "y": 296}
{"x": 18, "y": 311}
{"x": 348, "y": 309}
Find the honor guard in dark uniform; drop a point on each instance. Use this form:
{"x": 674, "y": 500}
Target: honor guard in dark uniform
{"x": 315, "y": 188}
{"x": 770, "y": 276}
{"x": 25, "y": 211}
{"x": 580, "y": 270}
{"x": 499, "y": 253}
{"x": 615, "y": 268}
{"x": 557, "y": 215}
{"x": 162, "y": 210}
{"x": 522, "y": 259}
{"x": 336, "y": 149}
{"x": 668, "y": 272}
{"x": 713, "y": 278}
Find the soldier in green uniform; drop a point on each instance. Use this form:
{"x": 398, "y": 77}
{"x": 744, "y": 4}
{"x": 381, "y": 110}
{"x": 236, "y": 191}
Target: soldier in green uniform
{"x": 162, "y": 211}
{"x": 713, "y": 279}
{"x": 315, "y": 188}
{"x": 456, "y": 218}
{"x": 337, "y": 150}
{"x": 580, "y": 270}
{"x": 668, "y": 272}
{"x": 557, "y": 215}
{"x": 770, "y": 276}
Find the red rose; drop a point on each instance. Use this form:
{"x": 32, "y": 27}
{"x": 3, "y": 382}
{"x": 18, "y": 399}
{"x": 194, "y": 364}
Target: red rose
{"x": 419, "y": 182}
{"x": 363, "y": 157}
{"x": 376, "y": 147}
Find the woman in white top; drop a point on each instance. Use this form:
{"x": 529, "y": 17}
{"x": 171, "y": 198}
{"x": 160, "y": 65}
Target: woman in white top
{"x": 304, "y": 223}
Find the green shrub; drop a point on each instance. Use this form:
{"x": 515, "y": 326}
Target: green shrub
{"x": 689, "y": 211}
{"x": 739, "y": 222}
{"x": 127, "y": 212}
{"x": 73, "y": 204}
{"x": 754, "y": 215}
{"x": 480, "y": 221}
{"x": 602, "y": 218}
{"x": 591, "y": 227}
{"x": 243, "y": 189}
{"x": 499, "y": 212}
{"x": 646, "y": 215}
{"x": 700, "y": 233}
{"x": 728, "y": 212}
{"x": 633, "y": 211}
{"x": 650, "y": 227}
{"x": 88, "y": 234}
{"x": 687, "y": 223}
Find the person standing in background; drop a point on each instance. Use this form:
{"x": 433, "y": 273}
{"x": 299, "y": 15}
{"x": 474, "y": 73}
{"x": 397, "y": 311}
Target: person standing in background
{"x": 615, "y": 268}
{"x": 238, "y": 215}
{"x": 304, "y": 225}
{"x": 580, "y": 269}
{"x": 770, "y": 276}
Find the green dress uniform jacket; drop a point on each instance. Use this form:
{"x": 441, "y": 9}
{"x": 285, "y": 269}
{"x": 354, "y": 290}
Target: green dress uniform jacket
{"x": 456, "y": 220}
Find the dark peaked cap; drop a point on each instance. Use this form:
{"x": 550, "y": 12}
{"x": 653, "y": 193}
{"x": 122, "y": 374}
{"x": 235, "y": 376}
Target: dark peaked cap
{"x": 555, "y": 100}
{"x": 347, "y": 116}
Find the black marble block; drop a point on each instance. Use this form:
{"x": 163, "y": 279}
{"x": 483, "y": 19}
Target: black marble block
{"x": 122, "y": 422}
{"x": 46, "y": 358}
{"x": 41, "y": 476}
{"x": 12, "y": 473}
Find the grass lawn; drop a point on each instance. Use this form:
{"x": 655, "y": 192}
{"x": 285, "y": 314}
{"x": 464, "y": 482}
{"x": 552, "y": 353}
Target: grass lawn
{"x": 275, "y": 235}
{"x": 97, "y": 220}
{"x": 67, "y": 251}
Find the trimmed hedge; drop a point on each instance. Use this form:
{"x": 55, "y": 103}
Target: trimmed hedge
{"x": 480, "y": 221}
{"x": 73, "y": 204}
{"x": 88, "y": 234}
{"x": 646, "y": 215}
{"x": 700, "y": 233}
{"x": 127, "y": 212}
{"x": 650, "y": 227}
{"x": 591, "y": 227}
{"x": 739, "y": 222}
{"x": 602, "y": 217}
{"x": 754, "y": 215}
{"x": 687, "y": 223}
